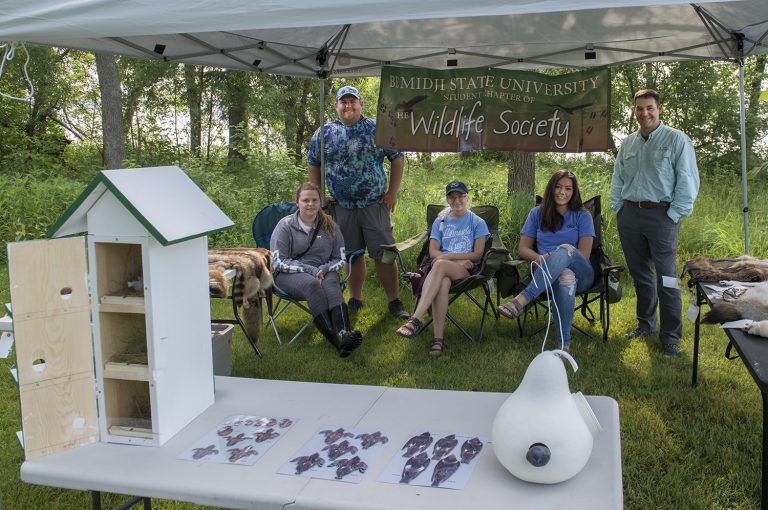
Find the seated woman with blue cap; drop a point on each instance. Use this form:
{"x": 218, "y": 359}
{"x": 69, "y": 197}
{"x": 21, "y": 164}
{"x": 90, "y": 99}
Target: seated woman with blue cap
{"x": 456, "y": 246}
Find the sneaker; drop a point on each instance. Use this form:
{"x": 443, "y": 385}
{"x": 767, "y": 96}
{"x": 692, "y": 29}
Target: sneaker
{"x": 397, "y": 309}
{"x": 669, "y": 350}
{"x": 354, "y": 305}
{"x": 638, "y": 333}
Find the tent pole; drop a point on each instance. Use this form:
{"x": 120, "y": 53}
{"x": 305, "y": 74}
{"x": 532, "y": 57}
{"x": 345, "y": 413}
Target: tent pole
{"x": 742, "y": 122}
{"x": 322, "y": 142}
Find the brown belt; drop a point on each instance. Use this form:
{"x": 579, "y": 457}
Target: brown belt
{"x": 648, "y": 205}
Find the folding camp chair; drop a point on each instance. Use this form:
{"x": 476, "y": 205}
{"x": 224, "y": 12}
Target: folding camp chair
{"x": 495, "y": 254}
{"x": 263, "y": 224}
{"x": 603, "y": 269}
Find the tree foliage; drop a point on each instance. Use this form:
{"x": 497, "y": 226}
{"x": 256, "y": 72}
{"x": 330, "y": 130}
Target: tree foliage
{"x": 175, "y": 113}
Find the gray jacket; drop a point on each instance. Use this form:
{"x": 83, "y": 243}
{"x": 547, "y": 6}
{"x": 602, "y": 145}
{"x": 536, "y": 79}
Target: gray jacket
{"x": 289, "y": 240}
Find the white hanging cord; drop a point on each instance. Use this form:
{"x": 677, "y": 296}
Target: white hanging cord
{"x": 9, "y": 50}
{"x": 550, "y": 293}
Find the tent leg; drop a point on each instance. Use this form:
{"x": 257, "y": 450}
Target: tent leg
{"x": 742, "y": 126}
{"x": 322, "y": 143}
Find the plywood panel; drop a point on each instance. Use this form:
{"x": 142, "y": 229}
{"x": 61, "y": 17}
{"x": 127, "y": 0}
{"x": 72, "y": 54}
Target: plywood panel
{"x": 47, "y": 277}
{"x": 52, "y": 328}
{"x": 122, "y": 334}
{"x": 116, "y": 265}
{"x": 57, "y": 415}
{"x": 127, "y": 404}
{"x": 62, "y": 342}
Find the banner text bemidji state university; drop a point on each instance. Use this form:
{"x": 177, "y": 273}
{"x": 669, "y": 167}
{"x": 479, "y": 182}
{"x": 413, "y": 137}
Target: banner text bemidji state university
{"x": 495, "y": 109}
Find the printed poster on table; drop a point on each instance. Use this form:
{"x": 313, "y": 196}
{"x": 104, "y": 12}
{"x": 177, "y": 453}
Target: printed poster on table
{"x": 239, "y": 439}
{"x": 433, "y": 459}
{"x": 336, "y": 453}
{"x": 495, "y": 109}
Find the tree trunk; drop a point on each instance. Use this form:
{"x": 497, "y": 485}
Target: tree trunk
{"x": 753, "y": 107}
{"x": 237, "y": 115}
{"x": 193, "y": 78}
{"x": 425, "y": 159}
{"x": 303, "y": 126}
{"x": 111, "y": 111}
{"x": 521, "y": 168}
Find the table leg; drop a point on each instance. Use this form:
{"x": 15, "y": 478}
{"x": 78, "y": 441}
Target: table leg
{"x": 96, "y": 502}
{"x": 764, "y": 476}
{"x": 699, "y": 299}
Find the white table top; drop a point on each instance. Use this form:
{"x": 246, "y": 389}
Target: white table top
{"x": 156, "y": 473}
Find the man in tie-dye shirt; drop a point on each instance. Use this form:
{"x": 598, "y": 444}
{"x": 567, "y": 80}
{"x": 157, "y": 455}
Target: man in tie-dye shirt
{"x": 362, "y": 199}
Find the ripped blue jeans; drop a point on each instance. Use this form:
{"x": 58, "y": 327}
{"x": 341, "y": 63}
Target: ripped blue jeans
{"x": 564, "y": 291}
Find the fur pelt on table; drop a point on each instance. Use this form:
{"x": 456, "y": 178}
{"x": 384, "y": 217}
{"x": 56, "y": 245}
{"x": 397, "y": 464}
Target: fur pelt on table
{"x": 752, "y": 304}
{"x": 742, "y": 269}
{"x": 759, "y": 328}
{"x": 253, "y": 278}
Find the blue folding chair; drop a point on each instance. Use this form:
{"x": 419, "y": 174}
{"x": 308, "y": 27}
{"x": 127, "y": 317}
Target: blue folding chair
{"x": 263, "y": 224}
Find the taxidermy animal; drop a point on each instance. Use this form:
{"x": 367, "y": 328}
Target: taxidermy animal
{"x": 742, "y": 269}
{"x": 752, "y": 304}
{"x": 444, "y": 469}
{"x": 414, "y": 467}
{"x": 470, "y": 449}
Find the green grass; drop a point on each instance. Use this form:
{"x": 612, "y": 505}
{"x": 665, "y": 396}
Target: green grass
{"x": 682, "y": 447}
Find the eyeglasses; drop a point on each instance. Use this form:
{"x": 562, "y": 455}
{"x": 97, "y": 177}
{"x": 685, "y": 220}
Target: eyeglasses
{"x": 453, "y": 197}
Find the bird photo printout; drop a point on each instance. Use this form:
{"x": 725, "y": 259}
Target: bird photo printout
{"x": 431, "y": 459}
{"x": 239, "y": 440}
{"x": 336, "y": 453}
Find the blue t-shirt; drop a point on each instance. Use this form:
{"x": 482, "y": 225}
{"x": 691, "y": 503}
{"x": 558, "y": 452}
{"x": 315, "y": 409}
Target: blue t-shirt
{"x": 458, "y": 235}
{"x": 354, "y": 166}
{"x": 576, "y": 224}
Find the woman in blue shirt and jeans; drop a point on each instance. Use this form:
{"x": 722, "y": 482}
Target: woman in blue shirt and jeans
{"x": 557, "y": 239}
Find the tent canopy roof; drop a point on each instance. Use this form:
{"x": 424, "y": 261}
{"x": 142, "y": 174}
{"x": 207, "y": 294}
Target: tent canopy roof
{"x": 346, "y": 38}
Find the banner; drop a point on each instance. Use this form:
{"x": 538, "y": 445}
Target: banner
{"x": 494, "y": 109}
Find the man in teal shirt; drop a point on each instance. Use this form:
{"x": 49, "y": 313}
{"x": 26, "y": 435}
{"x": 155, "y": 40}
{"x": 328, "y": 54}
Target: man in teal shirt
{"x": 655, "y": 182}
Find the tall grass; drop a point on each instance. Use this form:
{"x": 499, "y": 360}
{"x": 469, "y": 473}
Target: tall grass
{"x": 681, "y": 447}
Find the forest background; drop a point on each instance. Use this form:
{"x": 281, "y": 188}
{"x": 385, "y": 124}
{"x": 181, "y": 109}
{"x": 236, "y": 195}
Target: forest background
{"x": 243, "y": 138}
{"x": 248, "y": 132}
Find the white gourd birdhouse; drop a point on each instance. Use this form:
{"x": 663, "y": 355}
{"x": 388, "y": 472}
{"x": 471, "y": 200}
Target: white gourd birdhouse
{"x": 543, "y": 433}
{"x": 113, "y": 328}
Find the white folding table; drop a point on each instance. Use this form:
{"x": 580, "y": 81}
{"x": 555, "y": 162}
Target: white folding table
{"x": 154, "y": 472}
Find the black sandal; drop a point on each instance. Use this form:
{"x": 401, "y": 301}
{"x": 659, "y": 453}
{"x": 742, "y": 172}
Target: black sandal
{"x": 436, "y": 349}
{"x": 410, "y": 329}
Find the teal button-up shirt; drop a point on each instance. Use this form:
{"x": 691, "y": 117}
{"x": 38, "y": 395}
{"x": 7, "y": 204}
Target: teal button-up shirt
{"x": 659, "y": 169}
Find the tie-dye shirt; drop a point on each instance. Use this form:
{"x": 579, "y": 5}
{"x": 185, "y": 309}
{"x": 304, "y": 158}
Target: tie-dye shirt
{"x": 354, "y": 166}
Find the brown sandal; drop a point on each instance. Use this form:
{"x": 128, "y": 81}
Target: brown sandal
{"x": 410, "y": 329}
{"x": 511, "y": 309}
{"x": 436, "y": 349}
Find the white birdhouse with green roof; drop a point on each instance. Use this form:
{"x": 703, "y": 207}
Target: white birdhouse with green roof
{"x": 130, "y": 297}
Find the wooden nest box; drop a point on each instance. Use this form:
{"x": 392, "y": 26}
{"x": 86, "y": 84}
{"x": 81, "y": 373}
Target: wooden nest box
{"x": 113, "y": 337}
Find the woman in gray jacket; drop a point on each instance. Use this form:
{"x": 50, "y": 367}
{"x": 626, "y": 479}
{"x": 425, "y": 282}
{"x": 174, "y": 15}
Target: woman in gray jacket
{"x": 307, "y": 254}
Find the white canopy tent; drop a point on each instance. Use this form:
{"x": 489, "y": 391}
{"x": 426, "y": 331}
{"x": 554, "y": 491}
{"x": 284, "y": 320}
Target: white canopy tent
{"x": 337, "y": 38}
{"x": 353, "y": 38}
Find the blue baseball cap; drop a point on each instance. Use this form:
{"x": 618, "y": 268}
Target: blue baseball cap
{"x": 456, "y": 186}
{"x": 348, "y": 90}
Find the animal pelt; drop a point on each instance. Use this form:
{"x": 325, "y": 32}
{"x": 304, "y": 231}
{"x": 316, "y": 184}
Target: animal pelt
{"x": 752, "y": 304}
{"x": 253, "y": 278}
{"x": 759, "y": 328}
{"x": 253, "y": 273}
{"x": 742, "y": 269}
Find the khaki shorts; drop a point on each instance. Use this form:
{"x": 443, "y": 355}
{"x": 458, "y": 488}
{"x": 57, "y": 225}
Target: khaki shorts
{"x": 367, "y": 228}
